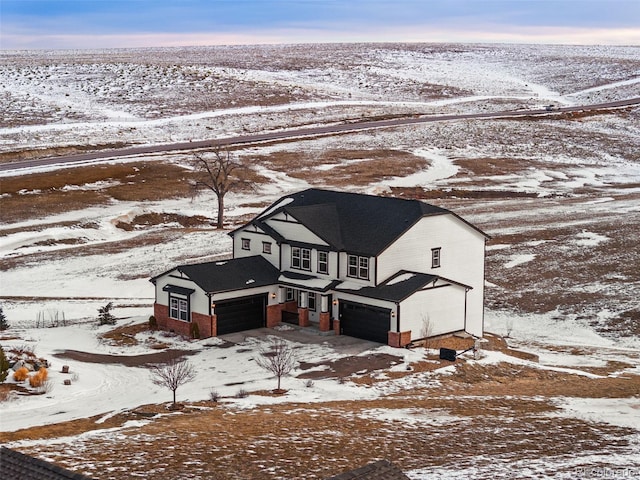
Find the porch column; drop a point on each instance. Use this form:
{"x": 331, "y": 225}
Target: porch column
{"x": 303, "y": 309}
{"x": 325, "y": 316}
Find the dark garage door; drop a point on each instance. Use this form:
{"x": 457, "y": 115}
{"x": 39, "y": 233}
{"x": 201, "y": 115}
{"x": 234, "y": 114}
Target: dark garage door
{"x": 365, "y": 321}
{"x": 240, "y": 314}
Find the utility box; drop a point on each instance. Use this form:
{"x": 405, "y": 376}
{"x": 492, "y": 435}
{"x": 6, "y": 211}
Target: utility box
{"x": 448, "y": 354}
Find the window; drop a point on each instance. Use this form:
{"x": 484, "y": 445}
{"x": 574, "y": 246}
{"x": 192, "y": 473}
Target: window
{"x": 290, "y": 294}
{"x": 312, "y": 301}
{"x": 435, "y": 257}
{"x": 301, "y": 258}
{"x": 306, "y": 259}
{"x": 353, "y": 266}
{"x": 295, "y": 257}
{"x": 358, "y": 267}
{"x": 246, "y": 244}
{"x": 323, "y": 262}
{"x": 266, "y": 247}
{"x": 179, "y": 308}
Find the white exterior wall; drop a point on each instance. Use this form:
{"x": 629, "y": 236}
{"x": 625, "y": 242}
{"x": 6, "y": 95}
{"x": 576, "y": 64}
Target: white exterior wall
{"x": 255, "y": 245}
{"x": 268, "y": 289}
{"x": 462, "y": 258}
{"x": 443, "y": 308}
{"x": 199, "y": 302}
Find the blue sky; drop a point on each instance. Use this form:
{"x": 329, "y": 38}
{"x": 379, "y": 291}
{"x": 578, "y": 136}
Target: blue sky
{"x": 39, "y": 24}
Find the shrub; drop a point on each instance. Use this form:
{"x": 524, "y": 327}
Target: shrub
{"x": 39, "y": 378}
{"x": 3, "y": 320}
{"x": 214, "y": 395}
{"x": 21, "y": 374}
{"x": 242, "y": 393}
{"x": 153, "y": 323}
{"x": 105, "y": 317}
{"x": 4, "y": 365}
{"x": 195, "y": 330}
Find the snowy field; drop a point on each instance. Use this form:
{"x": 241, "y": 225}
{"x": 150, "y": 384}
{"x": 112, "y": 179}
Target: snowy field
{"x": 560, "y": 198}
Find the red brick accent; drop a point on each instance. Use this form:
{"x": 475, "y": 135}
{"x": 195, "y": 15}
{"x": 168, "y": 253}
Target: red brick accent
{"x": 399, "y": 339}
{"x": 161, "y": 312}
{"x": 336, "y": 326}
{"x": 204, "y": 324}
{"x": 303, "y": 317}
{"x": 325, "y": 321}
{"x": 274, "y": 315}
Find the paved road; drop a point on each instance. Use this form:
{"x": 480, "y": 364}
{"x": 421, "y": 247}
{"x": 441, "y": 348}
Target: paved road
{"x": 299, "y": 133}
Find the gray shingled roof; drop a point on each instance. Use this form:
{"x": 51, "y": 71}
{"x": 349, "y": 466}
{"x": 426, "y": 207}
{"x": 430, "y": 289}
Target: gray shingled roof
{"x": 380, "y": 470}
{"x": 18, "y": 466}
{"x": 235, "y": 274}
{"x": 398, "y": 287}
{"x": 353, "y": 222}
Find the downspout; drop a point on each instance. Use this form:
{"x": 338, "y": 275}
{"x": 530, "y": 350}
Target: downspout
{"x": 398, "y": 317}
{"x": 466, "y": 290}
{"x": 210, "y": 315}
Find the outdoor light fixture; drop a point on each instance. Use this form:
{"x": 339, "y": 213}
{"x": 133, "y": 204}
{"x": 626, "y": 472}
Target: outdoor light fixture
{"x": 335, "y": 302}
{"x": 273, "y": 295}
{"x": 393, "y": 314}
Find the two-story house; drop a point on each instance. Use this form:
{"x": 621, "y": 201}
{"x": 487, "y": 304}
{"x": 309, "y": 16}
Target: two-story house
{"x": 383, "y": 269}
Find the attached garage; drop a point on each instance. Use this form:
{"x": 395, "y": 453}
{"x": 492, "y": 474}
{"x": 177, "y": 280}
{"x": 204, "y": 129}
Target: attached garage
{"x": 245, "y": 313}
{"x": 365, "y": 321}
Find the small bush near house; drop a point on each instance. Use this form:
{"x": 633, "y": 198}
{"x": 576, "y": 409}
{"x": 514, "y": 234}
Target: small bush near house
{"x": 153, "y": 323}
{"x": 105, "y": 317}
{"x": 21, "y": 374}
{"x": 3, "y": 320}
{"x": 195, "y": 330}
{"x": 4, "y": 366}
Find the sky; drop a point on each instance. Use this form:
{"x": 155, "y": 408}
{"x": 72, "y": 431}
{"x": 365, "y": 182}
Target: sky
{"x": 79, "y": 24}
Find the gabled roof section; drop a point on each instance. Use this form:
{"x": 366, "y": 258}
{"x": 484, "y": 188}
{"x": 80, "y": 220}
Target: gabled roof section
{"x": 353, "y": 222}
{"x": 397, "y": 288}
{"x": 235, "y": 274}
{"x": 380, "y": 470}
{"x": 18, "y": 466}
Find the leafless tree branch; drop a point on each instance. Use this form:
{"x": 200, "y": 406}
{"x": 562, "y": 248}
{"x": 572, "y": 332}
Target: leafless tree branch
{"x": 278, "y": 359}
{"x": 173, "y": 374}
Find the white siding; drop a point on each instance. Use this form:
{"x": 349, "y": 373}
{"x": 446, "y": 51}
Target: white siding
{"x": 199, "y": 300}
{"x": 462, "y": 258}
{"x": 255, "y": 245}
{"x": 442, "y": 308}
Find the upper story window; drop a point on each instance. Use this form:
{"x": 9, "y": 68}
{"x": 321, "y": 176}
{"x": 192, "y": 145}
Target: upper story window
{"x": 323, "y": 262}
{"x": 301, "y": 258}
{"x": 436, "y": 257}
{"x": 266, "y": 247}
{"x": 179, "y": 308}
{"x": 358, "y": 267}
{"x": 246, "y": 244}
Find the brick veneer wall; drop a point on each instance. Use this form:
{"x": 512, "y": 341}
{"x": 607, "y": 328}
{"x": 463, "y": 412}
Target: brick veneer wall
{"x": 274, "y": 315}
{"x": 205, "y": 322}
{"x": 325, "y": 321}
{"x": 399, "y": 339}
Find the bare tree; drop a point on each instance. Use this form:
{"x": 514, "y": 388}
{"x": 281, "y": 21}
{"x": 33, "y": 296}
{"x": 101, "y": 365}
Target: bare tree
{"x": 173, "y": 374}
{"x": 221, "y": 174}
{"x": 279, "y": 359}
{"x": 427, "y": 331}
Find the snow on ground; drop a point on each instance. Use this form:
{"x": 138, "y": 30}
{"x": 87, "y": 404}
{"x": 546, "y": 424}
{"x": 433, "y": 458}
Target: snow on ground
{"x": 481, "y": 78}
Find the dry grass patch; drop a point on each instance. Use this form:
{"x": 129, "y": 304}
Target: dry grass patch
{"x": 124, "y": 336}
{"x": 299, "y": 441}
{"x": 41, "y": 194}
